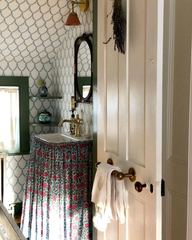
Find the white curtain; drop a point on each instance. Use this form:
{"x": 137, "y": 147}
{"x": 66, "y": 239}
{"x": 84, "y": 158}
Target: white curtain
{"x": 9, "y": 119}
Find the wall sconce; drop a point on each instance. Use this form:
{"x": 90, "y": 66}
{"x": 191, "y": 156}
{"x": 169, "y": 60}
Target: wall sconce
{"x": 73, "y": 19}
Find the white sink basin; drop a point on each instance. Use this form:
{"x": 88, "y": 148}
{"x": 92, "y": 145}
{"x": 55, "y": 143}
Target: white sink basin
{"x": 59, "y": 137}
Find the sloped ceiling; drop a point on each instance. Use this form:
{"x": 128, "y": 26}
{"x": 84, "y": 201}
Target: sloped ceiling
{"x": 31, "y": 30}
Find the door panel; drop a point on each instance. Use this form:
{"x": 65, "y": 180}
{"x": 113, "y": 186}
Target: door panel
{"x": 176, "y": 210}
{"x": 127, "y": 113}
{"x": 112, "y": 90}
{"x": 136, "y": 218}
{"x": 177, "y": 62}
{"x": 137, "y": 64}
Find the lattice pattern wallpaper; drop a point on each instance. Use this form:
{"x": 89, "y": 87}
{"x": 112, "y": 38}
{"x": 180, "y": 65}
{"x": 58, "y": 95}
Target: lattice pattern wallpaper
{"x": 63, "y": 75}
{"x": 34, "y": 42}
{"x": 16, "y": 168}
{"x": 84, "y": 60}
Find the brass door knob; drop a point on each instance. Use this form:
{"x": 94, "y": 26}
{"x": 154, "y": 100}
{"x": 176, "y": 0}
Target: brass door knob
{"x": 139, "y": 187}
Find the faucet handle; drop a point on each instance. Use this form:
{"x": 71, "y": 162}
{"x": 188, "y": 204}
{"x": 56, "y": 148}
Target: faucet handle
{"x": 79, "y": 120}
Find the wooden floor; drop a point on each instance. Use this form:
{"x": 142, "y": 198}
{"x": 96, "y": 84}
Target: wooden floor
{"x": 18, "y": 219}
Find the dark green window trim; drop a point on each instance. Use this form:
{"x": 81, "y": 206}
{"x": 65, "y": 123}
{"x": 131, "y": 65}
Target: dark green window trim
{"x": 23, "y": 84}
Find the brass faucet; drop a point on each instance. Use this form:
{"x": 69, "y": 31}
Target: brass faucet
{"x": 77, "y": 122}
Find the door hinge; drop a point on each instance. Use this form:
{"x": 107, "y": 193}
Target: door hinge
{"x": 162, "y": 188}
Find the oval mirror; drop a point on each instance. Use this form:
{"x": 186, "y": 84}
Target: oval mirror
{"x": 83, "y": 69}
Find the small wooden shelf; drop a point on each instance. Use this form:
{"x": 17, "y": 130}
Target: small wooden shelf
{"x": 17, "y": 218}
{"x": 51, "y": 124}
{"x": 44, "y": 98}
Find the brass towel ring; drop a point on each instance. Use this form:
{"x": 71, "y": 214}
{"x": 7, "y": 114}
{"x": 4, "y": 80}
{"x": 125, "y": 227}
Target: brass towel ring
{"x": 119, "y": 175}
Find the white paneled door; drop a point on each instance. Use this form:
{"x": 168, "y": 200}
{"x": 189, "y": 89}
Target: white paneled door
{"x": 129, "y": 113}
{"x": 177, "y": 70}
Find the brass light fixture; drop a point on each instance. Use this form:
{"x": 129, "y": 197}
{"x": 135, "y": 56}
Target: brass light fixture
{"x": 73, "y": 19}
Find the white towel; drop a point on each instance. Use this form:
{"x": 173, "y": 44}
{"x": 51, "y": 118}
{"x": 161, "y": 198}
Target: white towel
{"x": 109, "y": 196}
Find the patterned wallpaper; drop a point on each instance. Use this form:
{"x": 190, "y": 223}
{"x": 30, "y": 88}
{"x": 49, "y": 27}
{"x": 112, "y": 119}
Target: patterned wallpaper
{"x": 16, "y": 168}
{"x": 34, "y": 42}
{"x": 84, "y": 60}
{"x": 31, "y": 30}
{"x": 63, "y": 75}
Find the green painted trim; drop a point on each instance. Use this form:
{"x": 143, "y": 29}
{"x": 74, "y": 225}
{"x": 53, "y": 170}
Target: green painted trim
{"x": 23, "y": 84}
{"x": 18, "y": 153}
{"x": 44, "y": 98}
{"x": 17, "y": 207}
{"x": 83, "y": 81}
{"x": 95, "y": 4}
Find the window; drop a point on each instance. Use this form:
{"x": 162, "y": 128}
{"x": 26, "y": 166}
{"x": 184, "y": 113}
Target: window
{"x": 20, "y": 137}
{"x": 9, "y": 120}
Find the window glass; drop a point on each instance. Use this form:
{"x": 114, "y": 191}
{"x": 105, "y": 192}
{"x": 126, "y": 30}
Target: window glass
{"x": 9, "y": 120}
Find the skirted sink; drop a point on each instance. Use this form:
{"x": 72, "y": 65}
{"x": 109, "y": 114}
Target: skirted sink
{"x": 59, "y": 137}
{"x": 57, "y": 190}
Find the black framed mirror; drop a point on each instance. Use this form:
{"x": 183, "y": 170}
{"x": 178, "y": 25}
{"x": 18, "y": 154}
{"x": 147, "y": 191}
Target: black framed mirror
{"x": 83, "y": 69}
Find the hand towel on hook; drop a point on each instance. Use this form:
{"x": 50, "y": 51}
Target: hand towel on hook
{"x": 109, "y": 195}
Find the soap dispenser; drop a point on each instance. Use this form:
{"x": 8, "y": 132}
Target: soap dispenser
{"x": 72, "y": 125}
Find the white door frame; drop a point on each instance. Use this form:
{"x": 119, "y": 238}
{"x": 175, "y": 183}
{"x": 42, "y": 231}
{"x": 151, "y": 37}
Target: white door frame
{"x": 189, "y": 198}
{"x": 159, "y": 123}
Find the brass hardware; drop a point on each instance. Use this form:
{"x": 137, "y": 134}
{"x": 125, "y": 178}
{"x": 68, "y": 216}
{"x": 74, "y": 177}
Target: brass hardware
{"x": 84, "y": 4}
{"x": 132, "y": 173}
{"x": 77, "y": 128}
{"x": 119, "y": 175}
{"x": 139, "y": 187}
{"x": 77, "y": 121}
{"x": 65, "y": 120}
{"x": 110, "y": 161}
{"x": 72, "y": 103}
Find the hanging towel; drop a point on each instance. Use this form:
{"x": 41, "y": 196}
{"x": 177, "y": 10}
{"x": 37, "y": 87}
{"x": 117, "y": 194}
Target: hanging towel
{"x": 109, "y": 195}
